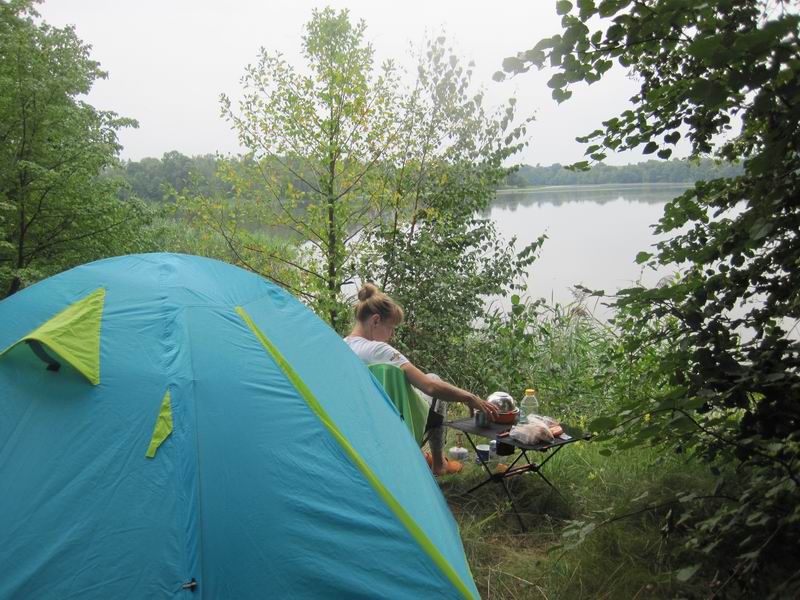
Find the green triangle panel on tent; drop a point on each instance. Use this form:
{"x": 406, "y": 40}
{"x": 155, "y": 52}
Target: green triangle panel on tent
{"x": 74, "y": 334}
{"x": 163, "y": 426}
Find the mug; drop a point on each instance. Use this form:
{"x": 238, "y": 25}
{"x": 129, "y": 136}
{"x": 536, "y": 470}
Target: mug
{"x": 482, "y": 453}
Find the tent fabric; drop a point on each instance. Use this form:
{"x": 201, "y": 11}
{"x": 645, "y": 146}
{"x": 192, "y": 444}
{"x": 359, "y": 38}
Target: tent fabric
{"x": 288, "y": 473}
{"x": 411, "y": 407}
{"x": 418, "y": 534}
{"x": 73, "y": 334}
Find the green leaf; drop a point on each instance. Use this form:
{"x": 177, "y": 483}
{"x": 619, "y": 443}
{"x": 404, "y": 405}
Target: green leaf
{"x": 582, "y": 165}
{"x": 563, "y": 7}
{"x": 705, "y": 46}
{"x": 610, "y": 7}
{"x": 761, "y": 229}
{"x": 586, "y": 8}
{"x": 512, "y": 64}
{"x": 686, "y": 573}
{"x": 558, "y": 80}
{"x": 650, "y": 148}
{"x": 709, "y": 93}
{"x": 643, "y": 257}
{"x": 561, "y": 95}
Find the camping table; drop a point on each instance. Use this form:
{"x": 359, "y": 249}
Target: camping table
{"x": 491, "y": 431}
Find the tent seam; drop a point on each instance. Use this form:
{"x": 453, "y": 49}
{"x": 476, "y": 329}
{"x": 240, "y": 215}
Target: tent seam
{"x": 408, "y": 522}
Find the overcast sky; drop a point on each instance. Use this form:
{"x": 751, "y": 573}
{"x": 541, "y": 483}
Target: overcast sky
{"x": 169, "y": 60}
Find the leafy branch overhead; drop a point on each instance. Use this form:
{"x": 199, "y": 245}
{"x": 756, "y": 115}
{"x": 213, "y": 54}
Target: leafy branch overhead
{"x": 725, "y": 77}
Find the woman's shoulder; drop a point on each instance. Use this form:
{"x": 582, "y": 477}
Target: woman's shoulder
{"x": 356, "y": 341}
{"x": 371, "y": 351}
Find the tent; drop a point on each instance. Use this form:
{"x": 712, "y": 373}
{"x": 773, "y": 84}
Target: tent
{"x": 174, "y": 426}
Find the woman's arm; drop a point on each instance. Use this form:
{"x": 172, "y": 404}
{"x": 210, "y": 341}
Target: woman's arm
{"x": 445, "y": 391}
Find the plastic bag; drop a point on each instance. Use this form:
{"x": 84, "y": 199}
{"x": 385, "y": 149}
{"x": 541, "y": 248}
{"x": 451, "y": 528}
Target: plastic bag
{"x": 535, "y": 431}
{"x": 553, "y": 425}
{"x": 548, "y": 421}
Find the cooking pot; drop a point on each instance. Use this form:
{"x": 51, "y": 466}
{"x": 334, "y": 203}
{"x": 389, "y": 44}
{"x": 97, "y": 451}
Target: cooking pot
{"x": 503, "y": 401}
{"x": 505, "y": 404}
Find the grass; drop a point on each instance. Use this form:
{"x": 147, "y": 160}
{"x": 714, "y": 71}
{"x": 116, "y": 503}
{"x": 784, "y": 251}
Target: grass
{"x": 627, "y": 557}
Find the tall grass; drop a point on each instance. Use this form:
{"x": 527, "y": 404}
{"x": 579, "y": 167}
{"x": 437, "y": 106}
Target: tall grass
{"x": 626, "y": 557}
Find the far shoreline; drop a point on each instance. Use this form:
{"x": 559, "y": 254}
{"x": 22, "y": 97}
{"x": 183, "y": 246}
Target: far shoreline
{"x": 592, "y": 186}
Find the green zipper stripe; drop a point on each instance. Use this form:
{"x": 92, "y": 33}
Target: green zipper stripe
{"x": 409, "y": 523}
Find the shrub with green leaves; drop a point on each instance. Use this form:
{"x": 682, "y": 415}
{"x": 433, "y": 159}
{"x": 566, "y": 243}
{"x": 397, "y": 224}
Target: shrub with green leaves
{"x": 724, "y": 75}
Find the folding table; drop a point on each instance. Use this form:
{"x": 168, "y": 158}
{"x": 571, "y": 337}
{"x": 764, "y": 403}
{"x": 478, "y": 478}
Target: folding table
{"x": 491, "y": 431}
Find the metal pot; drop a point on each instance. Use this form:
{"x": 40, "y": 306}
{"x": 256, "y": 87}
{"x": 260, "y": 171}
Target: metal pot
{"x": 503, "y": 401}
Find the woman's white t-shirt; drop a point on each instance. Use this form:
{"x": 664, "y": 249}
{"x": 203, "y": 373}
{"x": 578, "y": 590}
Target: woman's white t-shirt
{"x": 372, "y": 352}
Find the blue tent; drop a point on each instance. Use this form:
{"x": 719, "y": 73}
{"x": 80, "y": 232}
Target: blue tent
{"x": 173, "y": 426}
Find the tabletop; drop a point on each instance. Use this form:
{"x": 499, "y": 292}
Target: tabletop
{"x": 491, "y": 430}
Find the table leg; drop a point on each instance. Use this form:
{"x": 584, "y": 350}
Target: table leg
{"x": 483, "y": 464}
{"x": 513, "y": 505}
{"x": 547, "y": 481}
{"x": 537, "y": 468}
{"x": 501, "y": 478}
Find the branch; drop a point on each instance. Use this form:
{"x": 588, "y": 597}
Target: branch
{"x": 247, "y": 264}
{"x": 283, "y": 259}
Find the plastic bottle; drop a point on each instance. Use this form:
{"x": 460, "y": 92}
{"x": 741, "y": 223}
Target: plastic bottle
{"x": 529, "y": 405}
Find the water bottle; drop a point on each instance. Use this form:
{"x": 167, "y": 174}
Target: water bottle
{"x": 529, "y": 405}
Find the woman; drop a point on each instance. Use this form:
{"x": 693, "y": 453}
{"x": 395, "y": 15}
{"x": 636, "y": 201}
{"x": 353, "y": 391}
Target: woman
{"x": 377, "y": 315}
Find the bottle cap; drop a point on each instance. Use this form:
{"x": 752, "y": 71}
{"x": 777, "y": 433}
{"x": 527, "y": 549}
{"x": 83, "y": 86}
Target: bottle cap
{"x": 530, "y": 392}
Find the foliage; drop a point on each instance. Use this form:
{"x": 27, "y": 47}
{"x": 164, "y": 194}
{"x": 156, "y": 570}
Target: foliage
{"x": 432, "y": 251}
{"x": 727, "y": 321}
{"x": 328, "y": 129}
{"x": 229, "y": 227}
{"x": 651, "y": 171}
{"x": 54, "y": 210}
{"x": 575, "y": 361}
{"x": 157, "y": 180}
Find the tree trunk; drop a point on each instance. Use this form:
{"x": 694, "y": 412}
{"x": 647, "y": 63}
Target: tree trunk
{"x": 16, "y": 285}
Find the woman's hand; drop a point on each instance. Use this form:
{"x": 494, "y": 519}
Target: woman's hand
{"x": 476, "y": 403}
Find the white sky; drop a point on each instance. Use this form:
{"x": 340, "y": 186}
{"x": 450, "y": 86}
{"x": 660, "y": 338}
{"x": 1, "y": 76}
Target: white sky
{"x": 168, "y": 61}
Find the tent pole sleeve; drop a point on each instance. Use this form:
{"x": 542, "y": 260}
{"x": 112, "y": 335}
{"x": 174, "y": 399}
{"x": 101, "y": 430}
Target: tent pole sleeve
{"x": 408, "y": 522}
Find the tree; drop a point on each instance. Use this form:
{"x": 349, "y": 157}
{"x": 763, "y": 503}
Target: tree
{"x": 56, "y": 212}
{"x": 316, "y": 141}
{"x": 433, "y": 250}
{"x": 726, "y": 76}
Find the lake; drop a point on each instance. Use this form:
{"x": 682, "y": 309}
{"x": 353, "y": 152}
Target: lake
{"x": 594, "y": 234}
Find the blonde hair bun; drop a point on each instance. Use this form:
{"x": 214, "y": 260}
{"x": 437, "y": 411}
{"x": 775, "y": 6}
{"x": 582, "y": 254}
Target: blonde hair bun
{"x": 367, "y": 291}
{"x": 372, "y": 301}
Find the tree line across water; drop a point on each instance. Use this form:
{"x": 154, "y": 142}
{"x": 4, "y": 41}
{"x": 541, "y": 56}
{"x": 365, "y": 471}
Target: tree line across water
{"x": 157, "y": 179}
{"x": 651, "y": 171}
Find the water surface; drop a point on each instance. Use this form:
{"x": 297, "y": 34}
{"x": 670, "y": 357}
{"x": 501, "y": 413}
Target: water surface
{"x": 594, "y": 234}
